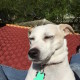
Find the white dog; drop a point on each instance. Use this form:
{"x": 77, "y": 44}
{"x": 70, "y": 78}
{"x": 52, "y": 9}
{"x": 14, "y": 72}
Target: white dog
{"x": 49, "y": 54}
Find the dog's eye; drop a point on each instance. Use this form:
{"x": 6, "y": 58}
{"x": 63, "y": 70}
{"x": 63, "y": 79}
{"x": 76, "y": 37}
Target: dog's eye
{"x": 48, "y": 37}
{"x": 31, "y": 38}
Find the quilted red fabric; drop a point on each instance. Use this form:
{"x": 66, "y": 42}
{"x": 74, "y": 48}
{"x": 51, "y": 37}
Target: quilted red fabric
{"x": 73, "y": 41}
{"x": 14, "y": 46}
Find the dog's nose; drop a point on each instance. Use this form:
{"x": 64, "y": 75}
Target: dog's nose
{"x": 34, "y": 53}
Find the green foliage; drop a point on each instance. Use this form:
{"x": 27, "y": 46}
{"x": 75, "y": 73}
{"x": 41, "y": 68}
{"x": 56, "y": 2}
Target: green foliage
{"x": 75, "y": 7}
{"x": 12, "y": 11}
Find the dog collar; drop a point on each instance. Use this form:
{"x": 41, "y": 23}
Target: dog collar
{"x": 42, "y": 66}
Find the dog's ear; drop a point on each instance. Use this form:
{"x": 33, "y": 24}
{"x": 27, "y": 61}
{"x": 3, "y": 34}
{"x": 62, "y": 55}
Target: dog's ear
{"x": 67, "y": 29}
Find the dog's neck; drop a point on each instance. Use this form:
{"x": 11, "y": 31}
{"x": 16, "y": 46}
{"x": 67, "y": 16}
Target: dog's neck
{"x": 58, "y": 70}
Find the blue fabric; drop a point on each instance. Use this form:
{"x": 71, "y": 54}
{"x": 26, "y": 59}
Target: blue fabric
{"x": 2, "y": 75}
{"x": 13, "y": 74}
{"x": 76, "y": 68}
{"x": 75, "y": 63}
{"x": 75, "y": 58}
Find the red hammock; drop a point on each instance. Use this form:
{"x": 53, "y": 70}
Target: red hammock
{"x": 14, "y": 46}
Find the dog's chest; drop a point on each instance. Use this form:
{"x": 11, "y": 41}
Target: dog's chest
{"x": 50, "y": 76}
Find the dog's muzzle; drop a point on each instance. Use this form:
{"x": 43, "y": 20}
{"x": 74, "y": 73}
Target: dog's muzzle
{"x": 34, "y": 53}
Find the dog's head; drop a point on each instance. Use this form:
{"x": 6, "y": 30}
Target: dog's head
{"x": 47, "y": 43}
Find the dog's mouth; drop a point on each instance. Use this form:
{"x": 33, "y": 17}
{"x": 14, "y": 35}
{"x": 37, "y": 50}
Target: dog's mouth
{"x": 36, "y": 61}
{"x": 33, "y": 59}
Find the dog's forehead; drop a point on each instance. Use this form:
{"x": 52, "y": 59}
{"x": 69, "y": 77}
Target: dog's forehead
{"x": 45, "y": 29}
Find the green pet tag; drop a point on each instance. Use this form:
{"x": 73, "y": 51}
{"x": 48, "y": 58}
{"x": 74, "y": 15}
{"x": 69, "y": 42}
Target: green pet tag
{"x": 39, "y": 76}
